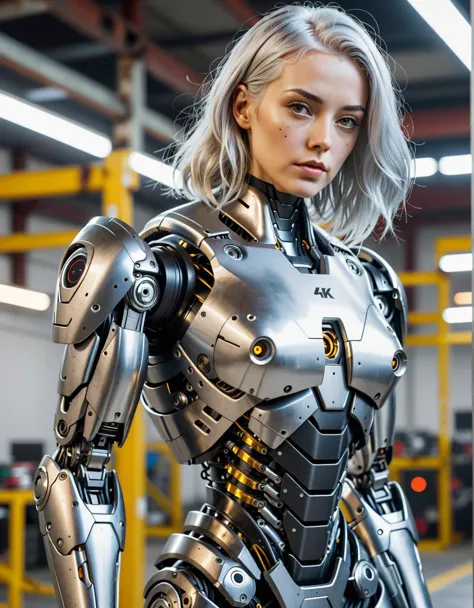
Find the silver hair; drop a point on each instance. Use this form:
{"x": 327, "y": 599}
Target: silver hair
{"x": 211, "y": 151}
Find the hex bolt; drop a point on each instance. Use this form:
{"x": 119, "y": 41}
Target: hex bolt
{"x": 60, "y": 542}
{"x": 63, "y": 476}
{"x": 219, "y": 561}
{"x": 48, "y": 526}
{"x": 243, "y": 598}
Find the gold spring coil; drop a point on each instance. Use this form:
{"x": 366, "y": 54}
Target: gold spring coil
{"x": 331, "y": 343}
{"x": 236, "y": 474}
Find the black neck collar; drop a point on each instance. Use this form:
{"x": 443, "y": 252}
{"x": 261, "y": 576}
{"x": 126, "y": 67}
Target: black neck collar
{"x": 272, "y": 193}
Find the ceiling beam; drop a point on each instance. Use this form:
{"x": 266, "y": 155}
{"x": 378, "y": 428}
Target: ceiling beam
{"x": 37, "y": 66}
{"x": 109, "y": 28}
{"x": 438, "y": 123}
{"x": 18, "y": 10}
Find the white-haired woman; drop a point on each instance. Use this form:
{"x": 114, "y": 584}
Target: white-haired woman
{"x": 274, "y": 347}
{"x": 301, "y": 120}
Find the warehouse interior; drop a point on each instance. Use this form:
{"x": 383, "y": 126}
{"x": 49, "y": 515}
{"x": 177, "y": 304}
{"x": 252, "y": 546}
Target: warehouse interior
{"x": 127, "y": 71}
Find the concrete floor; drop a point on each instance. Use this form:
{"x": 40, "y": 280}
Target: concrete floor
{"x": 452, "y": 594}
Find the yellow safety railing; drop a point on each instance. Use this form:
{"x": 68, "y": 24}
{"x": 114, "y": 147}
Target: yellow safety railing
{"x": 12, "y": 573}
{"x": 442, "y": 340}
{"x": 171, "y": 504}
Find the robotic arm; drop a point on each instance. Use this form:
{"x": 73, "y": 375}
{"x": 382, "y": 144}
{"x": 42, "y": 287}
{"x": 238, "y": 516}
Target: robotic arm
{"x": 108, "y": 280}
{"x": 376, "y": 509}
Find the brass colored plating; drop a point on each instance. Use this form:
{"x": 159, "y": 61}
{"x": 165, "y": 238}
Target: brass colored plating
{"x": 246, "y": 458}
{"x": 250, "y": 500}
{"x": 247, "y": 481}
{"x": 252, "y": 442}
{"x": 331, "y": 344}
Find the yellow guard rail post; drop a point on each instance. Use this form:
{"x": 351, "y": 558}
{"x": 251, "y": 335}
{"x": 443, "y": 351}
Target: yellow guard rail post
{"x": 12, "y": 574}
{"x": 172, "y": 504}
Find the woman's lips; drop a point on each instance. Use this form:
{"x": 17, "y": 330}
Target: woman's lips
{"x": 311, "y": 170}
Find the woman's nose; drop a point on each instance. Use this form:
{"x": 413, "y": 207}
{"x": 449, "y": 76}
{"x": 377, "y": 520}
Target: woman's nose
{"x": 320, "y": 136}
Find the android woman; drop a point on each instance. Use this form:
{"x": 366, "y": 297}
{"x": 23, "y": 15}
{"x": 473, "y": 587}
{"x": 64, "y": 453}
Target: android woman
{"x": 267, "y": 349}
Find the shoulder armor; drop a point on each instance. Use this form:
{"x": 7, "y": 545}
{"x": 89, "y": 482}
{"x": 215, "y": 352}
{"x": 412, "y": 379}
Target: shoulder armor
{"x": 388, "y": 290}
{"x": 98, "y": 269}
{"x": 193, "y": 221}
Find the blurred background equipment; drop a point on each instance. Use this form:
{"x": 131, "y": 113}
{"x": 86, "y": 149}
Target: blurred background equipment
{"x": 91, "y": 92}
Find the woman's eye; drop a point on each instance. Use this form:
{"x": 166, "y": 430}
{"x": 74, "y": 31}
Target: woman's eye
{"x": 297, "y": 107}
{"x": 350, "y": 122}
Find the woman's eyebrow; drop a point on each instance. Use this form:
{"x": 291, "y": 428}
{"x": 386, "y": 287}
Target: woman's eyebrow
{"x": 317, "y": 99}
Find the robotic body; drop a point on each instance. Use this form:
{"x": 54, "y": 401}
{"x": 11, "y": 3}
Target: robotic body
{"x": 272, "y": 349}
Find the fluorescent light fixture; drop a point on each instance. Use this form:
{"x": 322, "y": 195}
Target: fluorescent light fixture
{"x": 424, "y": 167}
{"x": 456, "y": 165}
{"x": 449, "y": 24}
{"x": 462, "y": 298}
{"x": 456, "y": 262}
{"x": 461, "y": 314}
{"x": 66, "y": 131}
{"x": 153, "y": 168}
{"x": 47, "y": 123}
{"x": 25, "y": 298}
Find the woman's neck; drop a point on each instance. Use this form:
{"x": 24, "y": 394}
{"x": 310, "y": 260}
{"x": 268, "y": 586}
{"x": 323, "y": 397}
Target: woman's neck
{"x": 286, "y": 210}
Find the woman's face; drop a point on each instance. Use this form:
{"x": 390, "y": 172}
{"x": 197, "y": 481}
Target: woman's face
{"x": 311, "y": 113}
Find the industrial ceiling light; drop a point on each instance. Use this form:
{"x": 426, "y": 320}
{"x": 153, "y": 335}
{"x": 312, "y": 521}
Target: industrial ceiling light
{"x": 47, "y": 123}
{"x": 66, "y": 131}
{"x": 462, "y": 298}
{"x": 461, "y": 314}
{"x": 25, "y": 298}
{"x": 449, "y": 24}
{"x": 153, "y": 168}
{"x": 456, "y": 262}
{"x": 456, "y": 165}
{"x": 423, "y": 167}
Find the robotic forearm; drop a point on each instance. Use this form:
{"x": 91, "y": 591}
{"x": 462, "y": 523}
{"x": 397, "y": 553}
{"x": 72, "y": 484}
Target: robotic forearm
{"x": 379, "y": 514}
{"x": 108, "y": 280}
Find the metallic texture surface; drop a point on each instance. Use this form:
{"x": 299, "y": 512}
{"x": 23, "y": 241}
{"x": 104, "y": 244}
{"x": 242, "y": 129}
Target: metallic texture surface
{"x": 233, "y": 581}
{"x": 158, "y": 587}
{"x": 108, "y": 244}
{"x": 273, "y": 351}
{"x": 77, "y": 534}
{"x": 390, "y": 539}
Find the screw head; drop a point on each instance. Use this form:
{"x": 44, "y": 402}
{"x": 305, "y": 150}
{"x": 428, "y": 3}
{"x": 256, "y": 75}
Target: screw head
{"x": 203, "y": 363}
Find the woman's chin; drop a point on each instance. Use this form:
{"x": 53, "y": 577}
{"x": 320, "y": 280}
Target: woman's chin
{"x": 303, "y": 189}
